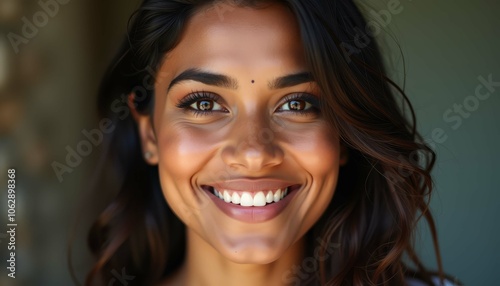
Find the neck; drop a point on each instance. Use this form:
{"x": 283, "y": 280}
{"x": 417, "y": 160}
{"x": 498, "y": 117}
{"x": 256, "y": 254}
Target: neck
{"x": 205, "y": 266}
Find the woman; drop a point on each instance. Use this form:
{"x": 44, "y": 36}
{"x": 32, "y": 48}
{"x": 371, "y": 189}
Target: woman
{"x": 251, "y": 147}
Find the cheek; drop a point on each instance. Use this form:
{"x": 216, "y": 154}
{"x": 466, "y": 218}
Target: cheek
{"x": 183, "y": 152}
{"x": 317, "y": 153}
{"x": 317, "y": 150}
{"x": 323, "y": 163}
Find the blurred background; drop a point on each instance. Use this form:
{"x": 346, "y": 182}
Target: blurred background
{"x": 53, "y": 54}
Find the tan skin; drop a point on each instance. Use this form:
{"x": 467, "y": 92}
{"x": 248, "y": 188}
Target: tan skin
{"x": 254, "y": 47}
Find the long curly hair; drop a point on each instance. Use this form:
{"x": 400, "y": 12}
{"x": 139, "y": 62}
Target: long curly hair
{"x": 383, "y": 191}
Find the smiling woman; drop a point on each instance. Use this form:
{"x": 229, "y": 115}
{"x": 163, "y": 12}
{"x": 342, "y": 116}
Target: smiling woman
{"x": 259, "y": 156}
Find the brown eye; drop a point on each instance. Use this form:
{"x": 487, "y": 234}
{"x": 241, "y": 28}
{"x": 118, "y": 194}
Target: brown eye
{"x": 296, "y": 105}
{"x": 206, "y": 105}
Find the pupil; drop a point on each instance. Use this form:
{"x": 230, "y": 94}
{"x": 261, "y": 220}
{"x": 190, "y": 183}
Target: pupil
{"x": 296, "y": 105}
{"x": 205, "y": 105}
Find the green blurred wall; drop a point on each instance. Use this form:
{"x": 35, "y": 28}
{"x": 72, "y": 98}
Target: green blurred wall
{"x": 447, "y": 45}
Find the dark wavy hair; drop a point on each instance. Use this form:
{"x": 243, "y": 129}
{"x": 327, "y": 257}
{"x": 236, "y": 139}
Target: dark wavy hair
{"x": 382, "y": 192}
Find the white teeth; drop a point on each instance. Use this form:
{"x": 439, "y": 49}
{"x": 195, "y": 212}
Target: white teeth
{"x": 246, "y": 200}
{"x": 277, "y": 196}
{"x": 269, "y": 197}
{"x": 283, "y": 193}
{"x": 227, "y": 197}
{"x": 259, "y": 200}
{"x": 235, "y": 199}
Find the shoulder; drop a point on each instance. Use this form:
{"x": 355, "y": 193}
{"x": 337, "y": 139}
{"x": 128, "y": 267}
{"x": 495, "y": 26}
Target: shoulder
{"x": 435, "y": 279}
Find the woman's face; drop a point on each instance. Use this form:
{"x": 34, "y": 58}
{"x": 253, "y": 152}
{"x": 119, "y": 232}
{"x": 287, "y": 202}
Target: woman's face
{"x": 236, "y": 111}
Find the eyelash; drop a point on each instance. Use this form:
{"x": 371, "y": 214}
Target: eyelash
{"x": 186, "y": 102}
{"x": 308, "y": 98}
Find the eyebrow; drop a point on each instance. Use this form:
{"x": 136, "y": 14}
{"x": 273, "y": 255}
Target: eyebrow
{"x": 291, "y": 80}
{"x": 221, "y": 80}
{"x": 204, "y": 77}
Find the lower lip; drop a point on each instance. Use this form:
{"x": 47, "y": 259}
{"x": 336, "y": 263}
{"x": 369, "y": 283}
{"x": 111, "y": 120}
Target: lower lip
{"x": 254, "y": 214}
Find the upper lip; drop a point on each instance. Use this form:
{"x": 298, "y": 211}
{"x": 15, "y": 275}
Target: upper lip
{"x": 251, "y": 185}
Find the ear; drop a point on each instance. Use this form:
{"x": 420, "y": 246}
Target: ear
{"x": 146, "y": 132}
{"x": 344, "y": 154}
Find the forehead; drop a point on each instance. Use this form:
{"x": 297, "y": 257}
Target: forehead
{"x": 243, "y": 38}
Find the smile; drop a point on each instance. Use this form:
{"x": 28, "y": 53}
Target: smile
{"x": 252, "y": 204}
{"x": 249, "y": 199}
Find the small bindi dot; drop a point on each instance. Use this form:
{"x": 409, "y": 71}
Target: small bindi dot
{"x": 253, "y": 81}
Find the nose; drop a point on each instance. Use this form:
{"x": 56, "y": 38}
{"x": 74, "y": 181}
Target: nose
{"x": 252, "y": 146}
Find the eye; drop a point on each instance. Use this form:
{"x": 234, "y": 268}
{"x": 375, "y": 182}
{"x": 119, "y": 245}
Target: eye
{"x": 201, "y": 103}
{"x": 300, "y": 103}
{"x": 296, "y": 105}
{"x": 206, "y": 105}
